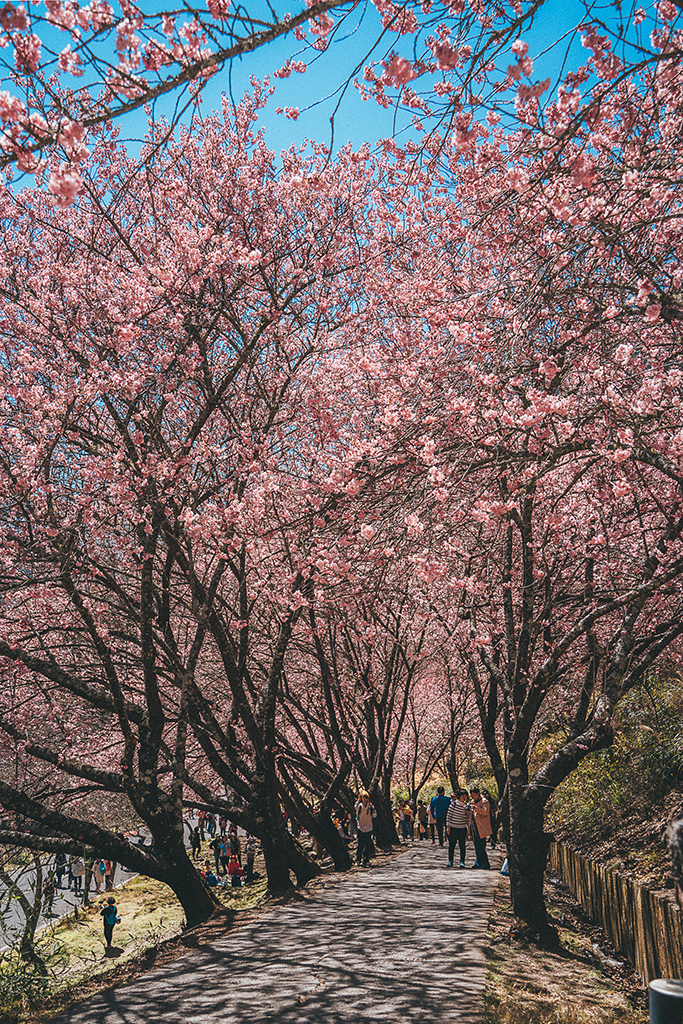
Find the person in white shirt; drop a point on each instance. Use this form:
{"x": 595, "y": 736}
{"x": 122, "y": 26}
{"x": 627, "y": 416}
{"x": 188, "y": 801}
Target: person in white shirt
{"x": 457, "y": 823}
{"x": 365, "y": 814}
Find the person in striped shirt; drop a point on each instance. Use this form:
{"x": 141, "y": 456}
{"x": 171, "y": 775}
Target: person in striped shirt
{"x": 457, "y": 823}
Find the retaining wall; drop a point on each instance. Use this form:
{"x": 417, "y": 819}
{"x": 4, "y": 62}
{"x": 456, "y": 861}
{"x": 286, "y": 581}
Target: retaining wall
{"x": 644, "y": 927}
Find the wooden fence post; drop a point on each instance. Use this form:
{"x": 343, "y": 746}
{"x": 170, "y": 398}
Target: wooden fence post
{"x": 645, "y": 928}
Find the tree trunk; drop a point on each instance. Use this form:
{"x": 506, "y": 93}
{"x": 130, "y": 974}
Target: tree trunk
{"x": 182, "y": 877}
{"x": 277, "y": 867}
{"x": 27, "y": 949}
{"x": 453, "y": 776}
{"x": 320, "y": 826}
{"x": 327, "y": 835}
{"x": 87, "y": 878}
{"x": 528, "y": 847}
{"x": 281, "y": 852}
{"x": 298, "y": 860}
{"x": 385, "y": 835}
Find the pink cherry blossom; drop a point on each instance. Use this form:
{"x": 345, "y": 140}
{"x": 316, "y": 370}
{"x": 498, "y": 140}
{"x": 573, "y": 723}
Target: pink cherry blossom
{"x": 400, "y": 70}
{"x": 65, "y": 183}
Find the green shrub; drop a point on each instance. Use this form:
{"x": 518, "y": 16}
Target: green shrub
{"x": 25, "y": 983}
{"x": 643, "y": 765}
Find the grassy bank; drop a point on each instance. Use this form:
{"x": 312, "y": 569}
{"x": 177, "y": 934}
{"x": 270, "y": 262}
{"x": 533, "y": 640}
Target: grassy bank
{"x": 78, "y": 965}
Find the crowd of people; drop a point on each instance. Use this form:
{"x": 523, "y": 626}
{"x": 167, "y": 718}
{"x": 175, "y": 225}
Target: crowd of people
{"x": 72, "y": 873}
{"x": 464, "y": 815}
{"x": 226, "y": 849}
{"x": 229, "y": 860}
{"x": 457, "y": 818}
{"x": 453, "y": 820}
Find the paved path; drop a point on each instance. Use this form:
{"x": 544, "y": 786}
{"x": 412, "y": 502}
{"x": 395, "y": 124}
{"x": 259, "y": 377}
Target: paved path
{"x": 399, "y": 942}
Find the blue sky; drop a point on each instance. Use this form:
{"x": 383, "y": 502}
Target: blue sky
{"x": 316, "y": 92}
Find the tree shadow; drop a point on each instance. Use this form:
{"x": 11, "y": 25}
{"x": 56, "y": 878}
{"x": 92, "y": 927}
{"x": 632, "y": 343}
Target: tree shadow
{"x": 343, "y": 955}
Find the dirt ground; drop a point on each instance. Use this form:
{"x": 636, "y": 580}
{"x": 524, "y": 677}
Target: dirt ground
{"x": 527, "y": 985}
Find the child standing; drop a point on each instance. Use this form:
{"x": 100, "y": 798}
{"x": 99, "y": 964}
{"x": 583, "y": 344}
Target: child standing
{"x": 235, "y": 871}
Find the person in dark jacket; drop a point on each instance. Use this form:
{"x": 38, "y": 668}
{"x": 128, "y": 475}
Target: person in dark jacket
{"x": 111, "y": 917}
{"x": 60, "y": 868}
{"x": 439, "y": 808}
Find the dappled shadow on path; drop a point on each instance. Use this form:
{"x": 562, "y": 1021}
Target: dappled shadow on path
{"x": 402, "y": 941}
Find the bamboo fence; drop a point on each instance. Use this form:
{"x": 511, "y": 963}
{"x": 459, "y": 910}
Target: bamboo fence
{"x": 644, "y": 927}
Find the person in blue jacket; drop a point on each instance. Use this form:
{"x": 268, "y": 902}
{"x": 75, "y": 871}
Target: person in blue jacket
{"x": 439, "y": 808}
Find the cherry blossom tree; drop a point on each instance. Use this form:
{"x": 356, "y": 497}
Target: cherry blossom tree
{"x": 424, "y": 737}
{"x": 442, "y": 728}
{"x": 556, "y": 457}
{"x": 530, "y": 469}
{"x": 157, "y": 345}
{"x": 72, "y": 66}
{"x": 368, "y": 658}
{"x": 261, "y": 423}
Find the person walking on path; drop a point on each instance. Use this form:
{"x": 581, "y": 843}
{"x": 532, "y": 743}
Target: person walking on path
{"x": 366, "y": 814}
{"x": 457, "y": 822}
{"x": 431, "y": 821}
{"x": 98, "y": 873}
{"x": 407, "y": 822}
{"x": 494, "y": 817}
{"x": 196, "y": 843}
{"x": 111, "y": 917}
{"x": 60, "y": 868}
{"x": 481, "y": 828}
{"x": 439, "y": 808}
{"x": 215, "y": 847}
{"x": 78, "y": 872}
{"x": 402, "y": 823}
{"x": 421, "y": 819}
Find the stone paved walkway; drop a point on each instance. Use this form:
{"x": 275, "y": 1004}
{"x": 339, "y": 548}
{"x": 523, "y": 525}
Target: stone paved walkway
{"x": 400, "y": 942}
